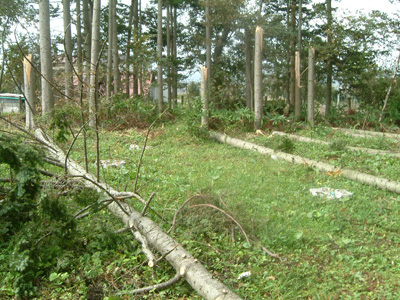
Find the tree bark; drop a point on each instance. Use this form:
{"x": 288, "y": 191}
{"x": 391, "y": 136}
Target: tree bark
{"x": 93, "y": 64}
{"x": 204, "y": 98}
{"x": 174, "y": 57}
{"x": 258, "y": 95}
{"x": 329, "y": 63}
{"x": 159, "y": 57}
{"x": 298, "y": 87}
{"x": 292, "y": 54}
{"x": 128, "y": 49}
{"x": 208, "y": 49}
{"x": 29, "y": 90}
{"x": 311, "y": 85}
{"x": 115, "y": 48}
{"x": 249, "y": 69}
{"x": 136, "y": 65}
{"x": 46, "y": 67}
{"x": 109, "y": 50}
{"x": 310, "y": 140}
{"x": 68, "y": 50}
{"x": 182, "y": 261}
{"x": 367, "y": 133}
{"x": 367, "y": 179}
{"x": 87, "y": 36}
{"x": 169, "y": 86}
{"x": 79, "y": 44}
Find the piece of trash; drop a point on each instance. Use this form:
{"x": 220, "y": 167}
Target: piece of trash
{"x": 134, "y": 146}
{"x": 259, "y": 132}
{"x": 330, "y": 193}
{"x": 244, "y": 275}
{"x": 112, "y": 163}
{"x": 274, "y": 157}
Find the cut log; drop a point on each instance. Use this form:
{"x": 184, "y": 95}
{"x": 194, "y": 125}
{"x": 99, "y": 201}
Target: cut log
{"x": 367, "y": 133}
{"x": 194, "y": 273}
{"x": 371, "y": 180}
{"x": 310, "y": 140}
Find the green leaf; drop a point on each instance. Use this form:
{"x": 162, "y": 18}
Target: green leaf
{"x": 53, "y": 276}
{"x": 299, "y": 235}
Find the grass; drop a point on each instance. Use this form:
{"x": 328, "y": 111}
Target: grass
{"x": 329, "y": 249}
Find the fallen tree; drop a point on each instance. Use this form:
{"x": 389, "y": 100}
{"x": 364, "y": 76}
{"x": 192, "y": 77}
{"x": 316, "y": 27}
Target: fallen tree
{"x": 367, "y": 133}
{"x": 149, "y": 233}
{"x": 371, "y": 180}
{"x": 310, "y": 140}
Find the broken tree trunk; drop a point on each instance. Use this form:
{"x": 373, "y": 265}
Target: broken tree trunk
{"x": 310, "y": 140}
{"x": 367, "y": 133}
{"x": 183, "y": 262}
{"x": 371, "y": 180}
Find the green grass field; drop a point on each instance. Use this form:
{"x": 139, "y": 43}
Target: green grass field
{"x": 328, "y": 249}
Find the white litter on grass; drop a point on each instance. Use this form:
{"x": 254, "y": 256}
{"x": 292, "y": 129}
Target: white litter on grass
{"x": 134, "y": 147}
{"x": 112, "y": 163}
{"x": 330, "y": 193}
{"x": 274, "y": 157}
{"x": 244, "y": 275}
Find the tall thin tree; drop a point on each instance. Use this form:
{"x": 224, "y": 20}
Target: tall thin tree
{"x": 115, "y": 48}
{"x": 311, "y": 85}
{"x": 109, "y": 50}
{"x": 329, "y": 66}
{"x": 159, "y": 57}
{"x": 68, "y": 49}
{"x": 93, "y": 63}
{"x": 46, "y": 67}
{"x": 258, "y": 96}
{"x": 208, "y": 49}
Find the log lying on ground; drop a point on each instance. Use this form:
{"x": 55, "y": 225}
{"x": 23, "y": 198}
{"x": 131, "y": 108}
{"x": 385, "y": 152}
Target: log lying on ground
{"x": 375, "y": 181}
{"x": 367, "y": 133}
{"x": 182, "y": 261}
{"x": 310, "y": 140}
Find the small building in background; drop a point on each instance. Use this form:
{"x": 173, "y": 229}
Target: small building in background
{"x": 12, "y": 103}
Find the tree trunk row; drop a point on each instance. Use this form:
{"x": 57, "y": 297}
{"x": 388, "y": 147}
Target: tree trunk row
{"x": 371, "y": 180}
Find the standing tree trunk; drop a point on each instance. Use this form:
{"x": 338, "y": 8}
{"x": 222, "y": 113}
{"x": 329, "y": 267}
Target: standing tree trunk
{"x": 79, "y": 44}
{"x": 298, "y": 86}
{"x": 249, "y": 69}
{"x": 169, "y": 86}
{"x": 136, "y": 66}
{"x": 68, "y": 49}
{"x": 159, "y": 56}
{"x": 208, "y": 49}
{"x": 87, "y": 36}
{"x": 46, "y": 67}
{"x": 329, "y": 63}
{"x": 174, "y": 57}
{"x": 30, "y": 102}
{"x": 109, "y": 50}
{"x": 117, "y": 75}
{"x": 292, "y": 53}
{"x": 93, "y": 64}
{"x": 311, "y": 85}
{"x": 258, "y": 97}
{"x": 298, "y": 65}
{"x": 128, "y": 50}
{"x": 389, "y": 90}
{"x": 204, "y": 98}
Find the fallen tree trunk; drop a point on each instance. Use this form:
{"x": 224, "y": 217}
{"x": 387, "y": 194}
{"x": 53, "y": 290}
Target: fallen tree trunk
{"x": 310, "y": 140}
{"x": 367, "y": 133}
{"x": 375, "y": 181}
{"x": 182, "y": 261}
